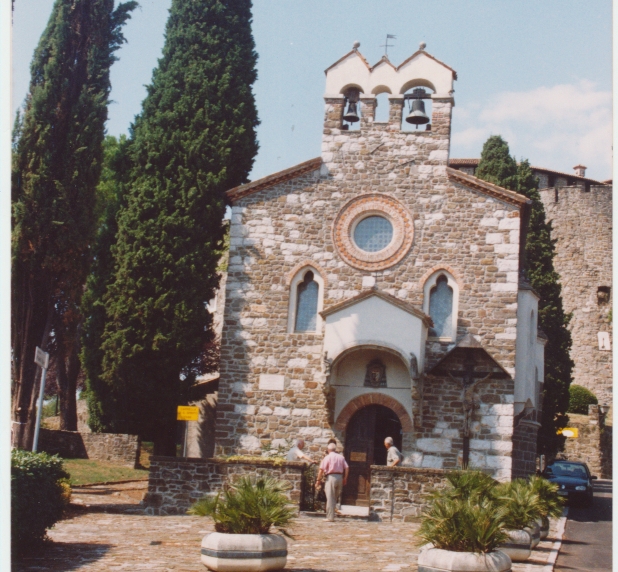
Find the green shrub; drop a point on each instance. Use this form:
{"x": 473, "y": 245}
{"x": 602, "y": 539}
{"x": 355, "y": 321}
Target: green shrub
{"x": 39, "y": 495}
{"x": 521, "y": 503}
{"x": 468, "y": 484}
{"x": 249, "y": 506}
{"x": 580, "y": 398}
{"x": 550, "y": 501}
{"x": 463, "y": 525}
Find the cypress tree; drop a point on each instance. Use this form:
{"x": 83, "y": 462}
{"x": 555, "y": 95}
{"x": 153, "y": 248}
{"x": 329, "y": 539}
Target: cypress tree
{"x": 194, "y": 139}
{"x": 55, "y": 170}
{"x": 497, "y": 166}
{"x": 111, "y": 196}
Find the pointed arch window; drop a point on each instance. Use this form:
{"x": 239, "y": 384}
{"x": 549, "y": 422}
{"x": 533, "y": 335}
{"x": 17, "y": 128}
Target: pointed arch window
{"x": 306, "y": 293}
{"x": 307, "y": 304}
{"x": 441, "y": 303}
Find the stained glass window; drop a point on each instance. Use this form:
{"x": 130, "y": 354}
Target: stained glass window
{"x": 441, "y": 309}
{"x": 307, "y": 304}
{"x": 373, "y": 233}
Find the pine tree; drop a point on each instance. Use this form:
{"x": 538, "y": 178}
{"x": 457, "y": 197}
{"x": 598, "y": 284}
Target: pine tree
{"x": 194, "y": 139}
{"x": 498, "y": 167}
{"x": 56, "y": 166}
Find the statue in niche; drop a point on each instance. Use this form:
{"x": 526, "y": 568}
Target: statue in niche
{"x": 375, "y": 375}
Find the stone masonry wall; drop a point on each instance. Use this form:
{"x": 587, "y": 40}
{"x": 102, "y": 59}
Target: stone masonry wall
{"x": 277, "y": 230}
{"x": 582, "y": 226}
{"x": 174, "y": 484}
{"x": 524, "y": 448}
{"x": 111, "y": 447}
{"x": 408, "y": 486}
{"x": 593, "y": 445}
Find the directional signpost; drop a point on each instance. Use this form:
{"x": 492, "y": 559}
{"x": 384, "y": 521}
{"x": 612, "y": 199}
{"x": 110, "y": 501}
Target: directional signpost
{"x": 187, "y": 413}
{"x": 41, "y": 358}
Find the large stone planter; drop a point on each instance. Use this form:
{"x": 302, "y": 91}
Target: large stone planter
{"x": 518, "y": 546}
{"x": 544, "y": 533}
{"x": 244, "y": 552}
{"x": 535, "y": 534}
{"x": 438, "y": 560}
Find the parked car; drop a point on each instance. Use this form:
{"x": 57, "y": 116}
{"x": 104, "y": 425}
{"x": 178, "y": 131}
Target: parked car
{"x": 573, "y": 479}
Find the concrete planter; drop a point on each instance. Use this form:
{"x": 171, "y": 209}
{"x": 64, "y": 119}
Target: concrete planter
{"x": 244, "y": 552}
{"x": 535, "y": 534}
{"x": 438, "y": 560}
{"x": 544, "y": 533}
{"x": 518, "y": 546}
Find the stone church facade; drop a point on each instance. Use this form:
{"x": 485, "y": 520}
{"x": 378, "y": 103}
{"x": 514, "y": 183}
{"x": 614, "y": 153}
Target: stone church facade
{"x": 580, "y": 211}
{"x": 376, "y": 291}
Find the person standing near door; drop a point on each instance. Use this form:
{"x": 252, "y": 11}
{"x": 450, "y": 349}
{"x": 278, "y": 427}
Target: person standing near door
{"x": 393, "y": 457}
{"x": 334, "y": 469}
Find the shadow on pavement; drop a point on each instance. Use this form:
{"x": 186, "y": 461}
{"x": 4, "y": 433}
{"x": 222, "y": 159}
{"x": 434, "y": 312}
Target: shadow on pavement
{"x": 61, "y": 557}
{"x": 600, "y": 511}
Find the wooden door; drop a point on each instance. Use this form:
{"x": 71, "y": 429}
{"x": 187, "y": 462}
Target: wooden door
{"x": 359, "y": 452}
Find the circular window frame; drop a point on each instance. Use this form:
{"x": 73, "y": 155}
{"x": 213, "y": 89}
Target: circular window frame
{"x": 363, "y": 207}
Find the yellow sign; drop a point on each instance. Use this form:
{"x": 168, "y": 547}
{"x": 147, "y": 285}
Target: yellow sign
{"x": 572, "y": 432}
{"x": 188, "y": 413}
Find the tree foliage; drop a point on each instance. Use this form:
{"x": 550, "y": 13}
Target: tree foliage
{"x": 498, "y": 167}
{"x": 194, "y": 139}
{"x": 56, "y": 166}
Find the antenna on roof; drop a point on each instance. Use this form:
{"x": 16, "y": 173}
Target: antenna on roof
{"x": 386, "y": 45}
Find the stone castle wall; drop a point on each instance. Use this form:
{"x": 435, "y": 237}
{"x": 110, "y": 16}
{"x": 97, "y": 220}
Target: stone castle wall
{"x": 277, "y": 230}
{"x": 175, "y": 484}
{"x": 110, "y": 447}
{"x": 593, "y": 445}
{"x": 582, "y": 227}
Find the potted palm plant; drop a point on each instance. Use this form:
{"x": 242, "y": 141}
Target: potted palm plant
{"x": 244, "y": 515}
{"x": 522, "y": 508}
{"x": 463, "y": 534}
{"x": 462, "y": 527}
{"x": 551, "y": 502}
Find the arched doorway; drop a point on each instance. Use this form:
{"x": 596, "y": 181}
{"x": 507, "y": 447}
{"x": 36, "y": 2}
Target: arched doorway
{"x": 364, "y": 446}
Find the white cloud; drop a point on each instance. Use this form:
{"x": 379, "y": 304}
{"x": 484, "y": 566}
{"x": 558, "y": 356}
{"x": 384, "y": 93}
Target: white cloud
{"x": 554, "y": 127}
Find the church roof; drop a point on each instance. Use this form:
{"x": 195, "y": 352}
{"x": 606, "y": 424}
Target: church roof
{"x": 429, "y": 56}
{"x": 352, "y": 52}
{"x": 405, "y": 306}
{"x": 314, "y": 164}
{"x": 274, "y": 179}
{"x": 487, "y": 188}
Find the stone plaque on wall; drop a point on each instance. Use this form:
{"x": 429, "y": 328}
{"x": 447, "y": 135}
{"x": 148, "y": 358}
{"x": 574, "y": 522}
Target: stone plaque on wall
{"x": 272, "y": 382}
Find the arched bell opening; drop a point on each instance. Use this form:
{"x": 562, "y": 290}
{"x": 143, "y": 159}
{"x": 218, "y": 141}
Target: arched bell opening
{"x": 364, "y": 446}
{"x": 351, "y": 119}
{"x": 382, "y": 111}
{"x": 417, "y": 109}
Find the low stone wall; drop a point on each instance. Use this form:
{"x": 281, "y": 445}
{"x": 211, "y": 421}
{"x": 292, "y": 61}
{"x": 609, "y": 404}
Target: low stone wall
{"x": 409, "y": 487}
{"x": 174, "y": 484}
{"x": 112, "y": 447}
{"x": 593, "y": 445}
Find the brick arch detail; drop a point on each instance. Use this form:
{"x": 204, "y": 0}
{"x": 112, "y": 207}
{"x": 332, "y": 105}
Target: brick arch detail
{"x": 373, "y": 399}
{"x": 437, "y": 268}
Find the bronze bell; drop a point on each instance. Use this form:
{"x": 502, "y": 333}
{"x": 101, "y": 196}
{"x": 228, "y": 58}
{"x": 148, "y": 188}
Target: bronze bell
{"x": 418, "y": 116}
{"x": 352, "y": 114}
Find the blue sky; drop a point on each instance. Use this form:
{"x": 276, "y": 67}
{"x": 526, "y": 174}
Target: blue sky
{"x": 538, "y": 73}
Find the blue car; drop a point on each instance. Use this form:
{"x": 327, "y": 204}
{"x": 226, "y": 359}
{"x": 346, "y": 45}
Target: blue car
{"x": 573, "y": 479}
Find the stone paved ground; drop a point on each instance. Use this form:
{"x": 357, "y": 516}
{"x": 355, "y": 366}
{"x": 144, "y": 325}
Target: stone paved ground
{"x": 125, "y": 539}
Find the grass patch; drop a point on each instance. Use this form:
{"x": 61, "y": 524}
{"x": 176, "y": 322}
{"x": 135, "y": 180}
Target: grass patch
{"x": 85, "y": 472}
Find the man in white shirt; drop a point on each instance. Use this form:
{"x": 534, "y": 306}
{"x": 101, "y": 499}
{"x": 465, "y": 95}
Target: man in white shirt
{"x": 296, "y": 452}
{"x": 393, "y": 457}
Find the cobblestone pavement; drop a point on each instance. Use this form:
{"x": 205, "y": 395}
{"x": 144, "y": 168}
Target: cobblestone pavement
{"x": 125, "y": 539}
